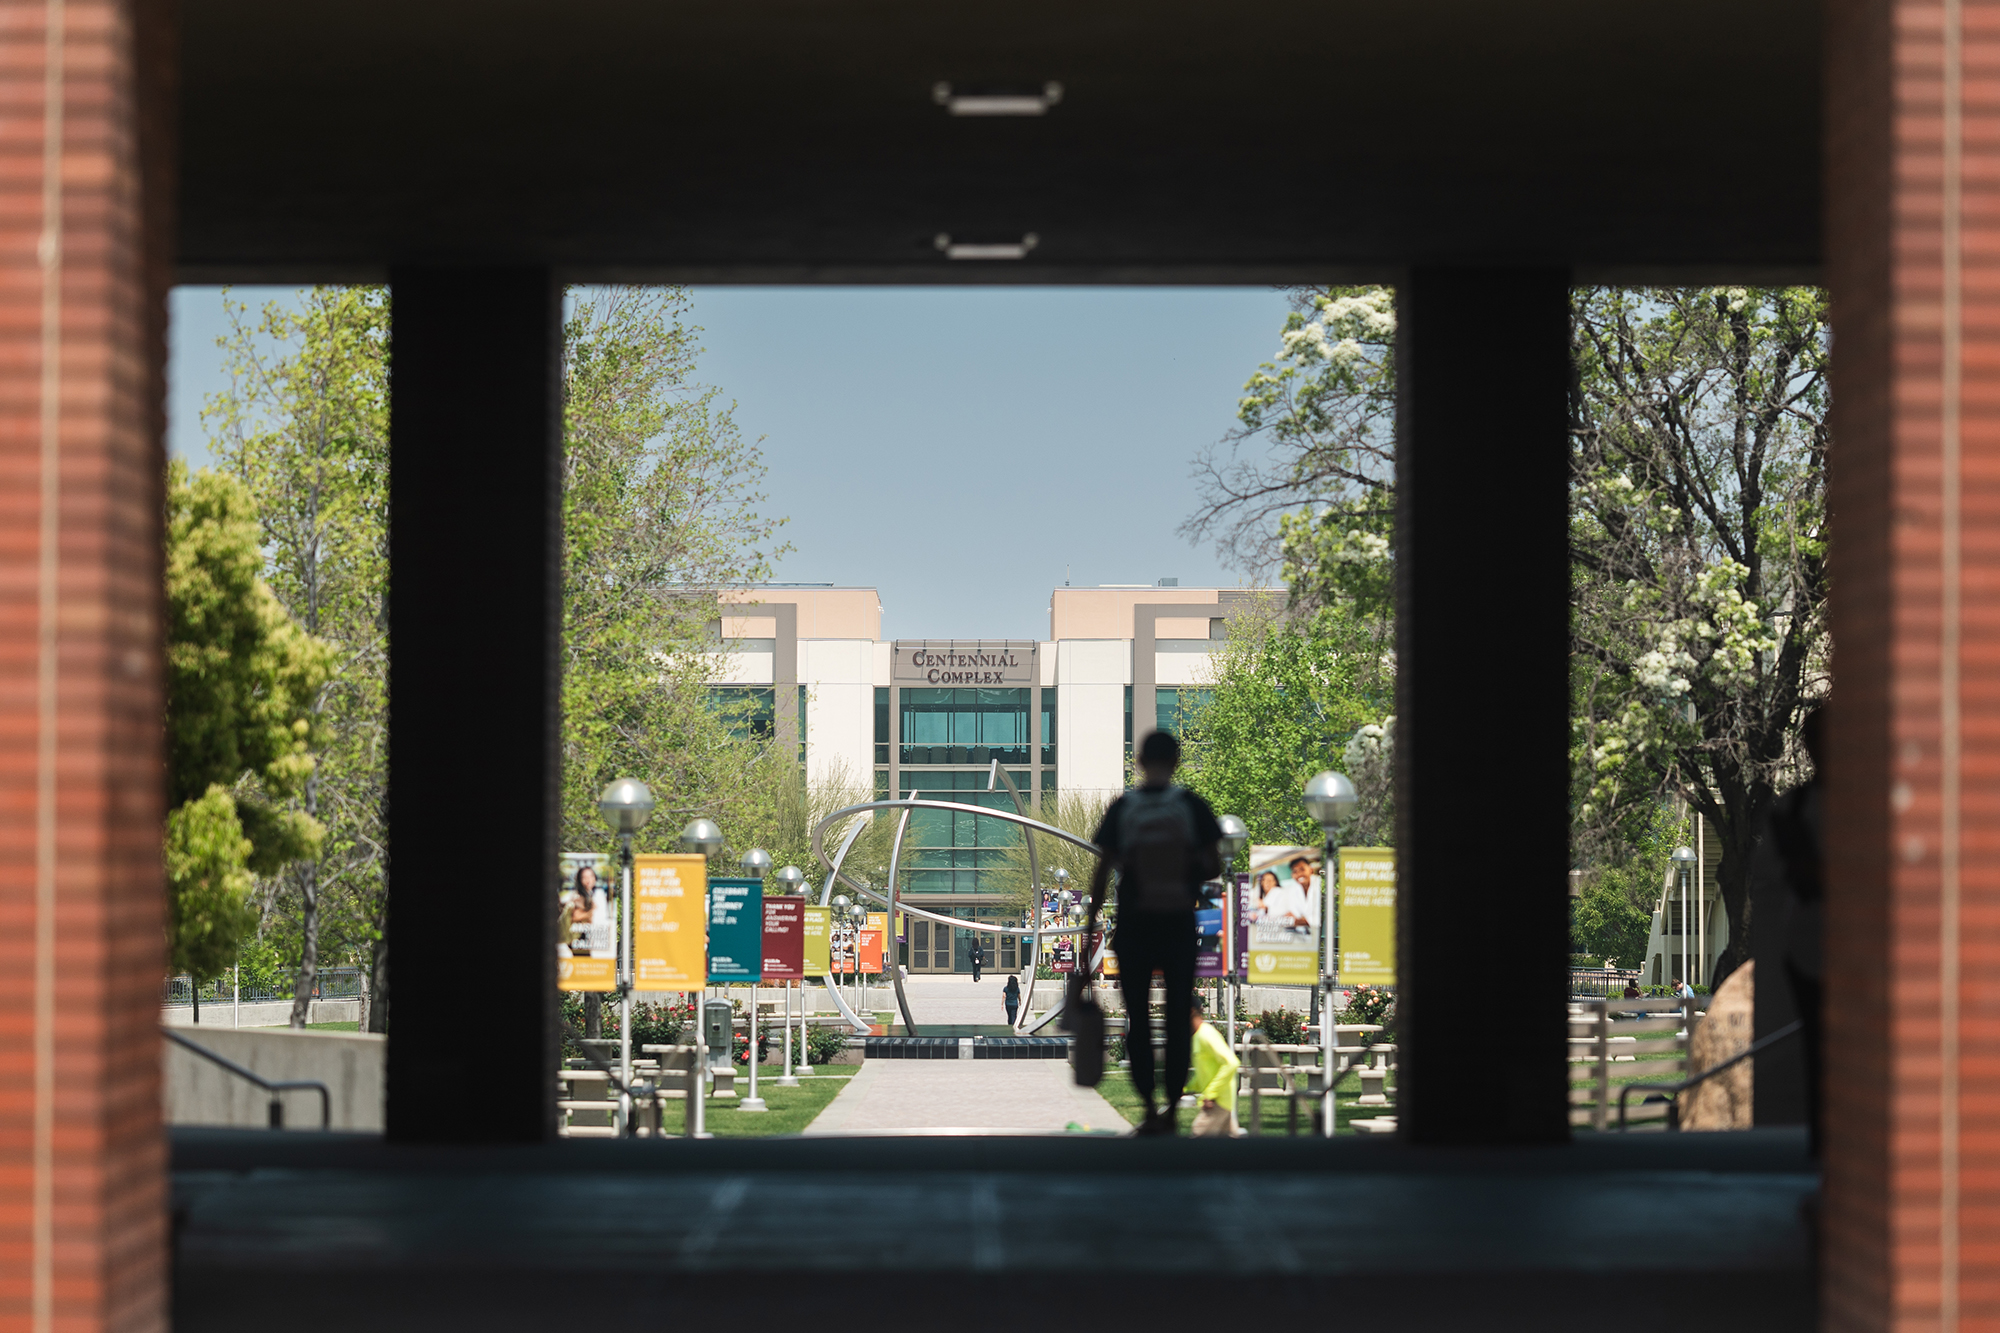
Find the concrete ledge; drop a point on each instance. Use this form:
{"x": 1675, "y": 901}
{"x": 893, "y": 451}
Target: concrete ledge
{"x": 257, "y": 1014}
{"x": 200, "y": 1092}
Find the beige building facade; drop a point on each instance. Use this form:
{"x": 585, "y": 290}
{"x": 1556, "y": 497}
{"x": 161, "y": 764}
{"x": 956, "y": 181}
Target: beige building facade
{"x": 931, "y": 716}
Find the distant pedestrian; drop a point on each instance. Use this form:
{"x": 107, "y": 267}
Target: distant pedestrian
{"x": 1012, "y": 997}
{"x": 977, "y": 959}
{"x": 1682, "y": 990}
{"x": 1215, "y": 1068}
{"x": 1162, "y": 841}
{"x": 1632, "y": 989}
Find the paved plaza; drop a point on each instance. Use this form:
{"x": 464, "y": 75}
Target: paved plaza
{"x": 957, "y": 999}
{"x": 901, "y": 1096}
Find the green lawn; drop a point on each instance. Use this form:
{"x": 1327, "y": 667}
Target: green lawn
{"x": 792, "y": 1109}
{"x": 1118, "y": 1090}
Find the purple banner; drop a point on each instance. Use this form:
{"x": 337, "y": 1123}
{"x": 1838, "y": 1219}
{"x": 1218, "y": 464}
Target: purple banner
{"x": 1246, "y": 907}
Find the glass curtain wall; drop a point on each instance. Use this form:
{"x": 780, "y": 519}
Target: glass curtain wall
{"x": 947, "y": 740}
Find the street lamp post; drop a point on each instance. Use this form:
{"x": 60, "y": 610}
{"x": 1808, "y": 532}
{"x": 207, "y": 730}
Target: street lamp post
{"x": 701, "y": 837}
{"x": 1235, "y": 837}
{"x": 625, "y": 805}
{"x": 1329, "y": 800}
{"x": 791, "y": 880}
{"x": 1683, "y": 859}
{"x": 756, "y": 863}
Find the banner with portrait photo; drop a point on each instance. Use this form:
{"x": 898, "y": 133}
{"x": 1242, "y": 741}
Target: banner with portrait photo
{"x": 587, "y": 916}
{"x": 1282, "y": 912}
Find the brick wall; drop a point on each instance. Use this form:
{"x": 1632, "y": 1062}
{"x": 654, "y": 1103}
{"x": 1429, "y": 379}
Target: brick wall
{"x": 82, "y": 1201}
{"x": 1912, "y": 1213}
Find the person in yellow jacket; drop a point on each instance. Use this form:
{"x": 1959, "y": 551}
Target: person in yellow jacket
{"x": 1214, "y": 1078}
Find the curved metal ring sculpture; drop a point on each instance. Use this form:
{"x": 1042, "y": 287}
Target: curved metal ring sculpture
{"x": 906, "y": 805}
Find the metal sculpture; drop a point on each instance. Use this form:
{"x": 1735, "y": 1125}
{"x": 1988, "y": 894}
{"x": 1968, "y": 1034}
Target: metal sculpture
{"x": 906, "y": 806}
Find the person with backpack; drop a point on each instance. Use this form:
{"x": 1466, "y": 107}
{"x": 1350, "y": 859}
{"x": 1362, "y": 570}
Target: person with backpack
{"x": 1163, "y": 842}
{"x": 976, "y": 956}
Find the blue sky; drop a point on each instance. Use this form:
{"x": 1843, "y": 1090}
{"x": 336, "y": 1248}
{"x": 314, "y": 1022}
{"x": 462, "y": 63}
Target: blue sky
{"x": 958, "y": 448}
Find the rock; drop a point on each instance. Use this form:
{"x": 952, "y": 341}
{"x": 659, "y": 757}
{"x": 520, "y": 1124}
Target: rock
{"x": 1728, "y": 1029}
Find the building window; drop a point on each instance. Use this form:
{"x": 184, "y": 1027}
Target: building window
{"x": 1128, "y": 724}
{"x": 802, "y": 726}
{"x": 964, "y": 726}
{"x": 1173, "y": 709}
{"x": 749, "y": 711}
{"x": 881, "y": 724}
{"x": 1048, "y": 726}
{"x": 951, "y": 851}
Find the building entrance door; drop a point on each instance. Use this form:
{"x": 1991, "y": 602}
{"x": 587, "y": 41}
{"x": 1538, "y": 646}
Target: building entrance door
{"x": 930, "y": 946}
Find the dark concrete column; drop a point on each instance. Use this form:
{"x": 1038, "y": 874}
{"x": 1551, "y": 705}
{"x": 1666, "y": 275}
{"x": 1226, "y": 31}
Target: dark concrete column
{"x": 1482, "y": 730}
{"x": 475, "y": 535}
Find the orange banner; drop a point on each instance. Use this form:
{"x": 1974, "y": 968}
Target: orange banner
{"x": 669, "y": 922}
{"x": 870, "y": 943}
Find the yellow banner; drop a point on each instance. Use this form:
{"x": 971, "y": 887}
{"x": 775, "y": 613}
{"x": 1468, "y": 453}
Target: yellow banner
{"x": 1367, "y": 916}
{"x": 600, "y": 974}
{"x": 819, "y": 941}
{"x": 669, "y": 922}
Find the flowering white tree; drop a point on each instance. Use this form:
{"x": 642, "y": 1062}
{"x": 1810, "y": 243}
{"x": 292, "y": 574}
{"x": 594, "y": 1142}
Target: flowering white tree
{"x": 1305, "y": 480}
{"x": 1698, "y": 455}
{"x": 1697, "y": 521}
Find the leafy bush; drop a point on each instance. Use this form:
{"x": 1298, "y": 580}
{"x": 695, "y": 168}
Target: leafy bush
{"x": 823, "y": 1043}
{"x": 1285, "y": 1027}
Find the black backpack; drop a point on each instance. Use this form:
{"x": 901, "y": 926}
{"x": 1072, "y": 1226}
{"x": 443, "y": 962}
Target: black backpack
{"x": 1157, "y": 869}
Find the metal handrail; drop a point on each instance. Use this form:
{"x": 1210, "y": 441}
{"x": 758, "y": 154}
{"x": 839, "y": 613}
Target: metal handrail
{"x": 274, "y": 1088}
{"x": 1789, "y": 1030}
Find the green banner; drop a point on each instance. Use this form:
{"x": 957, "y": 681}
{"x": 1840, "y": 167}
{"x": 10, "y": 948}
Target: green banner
{"x": 1367, "y": 916}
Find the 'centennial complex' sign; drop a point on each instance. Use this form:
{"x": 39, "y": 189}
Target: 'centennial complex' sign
{"x": 964, "y": 662}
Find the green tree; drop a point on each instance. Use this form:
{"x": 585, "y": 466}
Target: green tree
{"x": 304, "y": 425}
{"x": 1074, "y": 812}
{"x": 1290, "y": 695}
{"x": 660, "y": 496}
{"x": 1614, "y": 915}
{"x": 240, "y": 679}
{"x": 1698, "y": 464}
{"x": 1304, "y": 484}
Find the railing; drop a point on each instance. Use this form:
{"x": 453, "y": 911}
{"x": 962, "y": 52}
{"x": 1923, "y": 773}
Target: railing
{"x": 1620, "y": 1038}
{"x": 1600, "y": 981}
{"x": 273, "y": 1087}
{"x": 335, "y": 983}
{"x": 1791, "y": 1029}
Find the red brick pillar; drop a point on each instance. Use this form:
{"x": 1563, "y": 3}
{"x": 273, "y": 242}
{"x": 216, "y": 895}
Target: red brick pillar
{"x": 1912, "y": 1198}
{"x": 82, "y": 1161}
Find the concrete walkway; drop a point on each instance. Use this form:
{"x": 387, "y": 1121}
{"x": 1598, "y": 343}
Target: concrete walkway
{"x": 953, "y": 999}
{"x": 913, "y": 1096}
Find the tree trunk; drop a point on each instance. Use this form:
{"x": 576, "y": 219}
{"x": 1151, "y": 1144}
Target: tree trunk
{"x": 593, "y": 1015}
{"x": 308, "y": 982}
{"x": 1732, "y": 875}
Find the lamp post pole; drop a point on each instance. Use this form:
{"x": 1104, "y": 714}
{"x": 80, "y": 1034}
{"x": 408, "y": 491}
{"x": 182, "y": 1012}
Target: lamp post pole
{"x": 1329, "y": 800}
{"x": 625, "y": 806}
{"x": 1683, "y": 859}
{"x": 791, "y": 880}
{"x": 703, "y": 838}
{"x": 756, "y": 863}
{"x": 1235, "y": 837}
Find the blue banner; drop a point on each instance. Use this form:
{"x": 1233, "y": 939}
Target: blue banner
{"x": 735, "y": 930}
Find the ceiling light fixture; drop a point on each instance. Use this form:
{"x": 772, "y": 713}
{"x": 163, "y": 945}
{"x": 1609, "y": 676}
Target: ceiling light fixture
{"x": 965, "y": 250}
{"x": 997, "y": 104}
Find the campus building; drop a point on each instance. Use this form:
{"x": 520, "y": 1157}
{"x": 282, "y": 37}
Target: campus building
{"x": 808, "y": 662}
